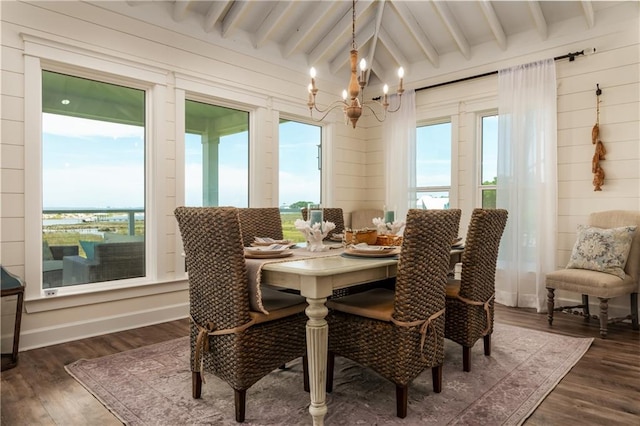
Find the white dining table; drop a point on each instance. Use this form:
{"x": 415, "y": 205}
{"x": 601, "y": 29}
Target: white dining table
{"x": 316, "y": 278}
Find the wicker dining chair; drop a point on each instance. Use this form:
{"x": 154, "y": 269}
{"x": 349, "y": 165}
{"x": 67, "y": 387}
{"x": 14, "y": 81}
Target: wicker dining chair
{"x": 260, "y": 222}
{"x": 331, "y": 214}
{"x": 399, "y": 333}
{"x": 470, "y": 300}
{"x": 229, "y": 340}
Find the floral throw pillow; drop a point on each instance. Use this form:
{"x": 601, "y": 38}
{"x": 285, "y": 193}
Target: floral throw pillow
{"x": 603, "y": 250}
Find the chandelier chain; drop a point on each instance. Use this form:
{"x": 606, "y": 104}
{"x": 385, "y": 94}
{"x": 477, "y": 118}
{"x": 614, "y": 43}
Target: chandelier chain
{"x": 353, "y": 27}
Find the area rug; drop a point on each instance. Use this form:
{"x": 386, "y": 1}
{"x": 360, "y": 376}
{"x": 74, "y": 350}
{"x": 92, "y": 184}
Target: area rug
{"x": 152, "y": 386}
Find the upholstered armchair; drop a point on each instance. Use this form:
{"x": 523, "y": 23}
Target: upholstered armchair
{"x": 400, "y": 333}
{"x": 605, "y": 263}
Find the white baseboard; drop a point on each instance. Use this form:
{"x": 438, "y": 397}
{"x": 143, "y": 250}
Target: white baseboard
{"x": 47, "y": 336}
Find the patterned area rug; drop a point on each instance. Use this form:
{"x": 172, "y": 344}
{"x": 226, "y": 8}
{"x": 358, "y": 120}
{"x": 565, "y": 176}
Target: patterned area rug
{"x": 152, "y": 386}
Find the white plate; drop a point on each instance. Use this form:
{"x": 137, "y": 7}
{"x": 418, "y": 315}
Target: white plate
{"x": 272, "y": 249}
{"x": 373, "y": 251}
{"x": 267, "y": 254}
{"x": 268, "y": 241}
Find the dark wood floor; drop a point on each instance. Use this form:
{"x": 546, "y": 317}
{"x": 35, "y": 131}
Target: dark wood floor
{"x": 602, "y": 389}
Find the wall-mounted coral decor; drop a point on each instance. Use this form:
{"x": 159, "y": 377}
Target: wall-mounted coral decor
{"x": 596, "y": 168}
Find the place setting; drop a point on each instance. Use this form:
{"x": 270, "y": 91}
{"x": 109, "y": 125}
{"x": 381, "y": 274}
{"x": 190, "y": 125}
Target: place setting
{"x": 366, "y": 250}
{"x": 263, "y": 249}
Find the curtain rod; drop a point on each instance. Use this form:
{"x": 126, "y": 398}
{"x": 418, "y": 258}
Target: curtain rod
{"x": 570, "y": 56}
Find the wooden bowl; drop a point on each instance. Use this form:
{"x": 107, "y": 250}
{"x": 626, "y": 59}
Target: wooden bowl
{"x": 389, "y": 240}
{"x": 357, "y": 236}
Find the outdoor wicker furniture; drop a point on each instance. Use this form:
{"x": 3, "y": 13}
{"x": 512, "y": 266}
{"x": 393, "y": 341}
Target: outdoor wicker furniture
{"x": 111, "y": 261}
{"x": 470, "y": 300}
{"x": 229, "y": 340}
{"x": 52, "y": 263}
{"x": 399, "y": 333}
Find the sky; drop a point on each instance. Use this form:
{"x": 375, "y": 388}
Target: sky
{"x": 96, "y": 164}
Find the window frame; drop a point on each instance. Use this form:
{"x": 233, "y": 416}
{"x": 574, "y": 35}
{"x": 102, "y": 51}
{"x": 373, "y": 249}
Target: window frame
{"x": 452, "y": 121}
{"x": 321, "y": 152}
{"x": 480, "y": 188}
{"x": 46, "y": 55}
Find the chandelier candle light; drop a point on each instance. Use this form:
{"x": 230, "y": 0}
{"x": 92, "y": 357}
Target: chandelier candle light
{"x": 353, "y": 100}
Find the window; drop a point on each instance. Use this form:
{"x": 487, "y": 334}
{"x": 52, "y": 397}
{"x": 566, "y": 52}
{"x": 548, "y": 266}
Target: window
{"x": 433, "y": 165}
{"x": 93, "y": 181}
{"x": 489, "y": 161}
{"x": 216, "y": 156}
{"x": 300, "y": 162}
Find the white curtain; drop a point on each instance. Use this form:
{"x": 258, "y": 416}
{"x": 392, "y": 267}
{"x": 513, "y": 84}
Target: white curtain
{"x": 527, "y": 182}
{"x": 399, "y": 139}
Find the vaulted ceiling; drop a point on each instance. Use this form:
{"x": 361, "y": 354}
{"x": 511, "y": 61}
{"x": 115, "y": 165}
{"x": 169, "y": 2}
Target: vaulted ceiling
{"x": 428, "y": 38}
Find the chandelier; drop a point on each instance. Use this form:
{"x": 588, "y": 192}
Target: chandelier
{"x": 353, "y": 101}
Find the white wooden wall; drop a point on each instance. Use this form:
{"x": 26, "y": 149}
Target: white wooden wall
{"x": 354, "y": 169}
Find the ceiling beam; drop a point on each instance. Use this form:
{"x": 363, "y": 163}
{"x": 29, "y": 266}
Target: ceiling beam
{"x": 587, "y": 8}
{"x": 274, "y": 19}
{"x": 454, "y": 29}
{"x": 340, "y": 31}
{"x": 538, "y": 19}
{"x": 393, "y": 49}
{"x": 494, "y": 23}
{"x": 213, "y": 14}
{"x": 416, "y": 31}
{"x": 303, "y": 34}
{"x": 231, "y": 19}
{"x": 180, "y": 10}
{"x": 374, "y": 41}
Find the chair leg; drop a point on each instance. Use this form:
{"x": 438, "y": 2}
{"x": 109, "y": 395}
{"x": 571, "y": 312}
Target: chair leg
{"x": 402, "y": 396}
{"x": 331, "y": 360}
{"x": 585, "y": 307}
{"x": 241, "y": 403}
{"x": 305, "y": 373}
{"x": 487, "y": 344}
{"x": 196, "y": 384}
{"x": 550, "y": 296}
{"x": 604, "y": 316}
{"x": 436, "y": 377}
{"x": 634, "y": 311}
{"x": 466, "y": 358}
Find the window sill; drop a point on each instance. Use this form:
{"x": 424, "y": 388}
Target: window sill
{"x": 127, "y": 289}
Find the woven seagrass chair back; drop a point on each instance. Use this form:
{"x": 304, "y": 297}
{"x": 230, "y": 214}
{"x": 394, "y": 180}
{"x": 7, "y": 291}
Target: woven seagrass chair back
{"x": 260, "y": 222}
{"x": 331, "y": 214}
{"x": 481, "y": 253}
{"x": 218, "y": 282}
{"x": 424, "y": 263}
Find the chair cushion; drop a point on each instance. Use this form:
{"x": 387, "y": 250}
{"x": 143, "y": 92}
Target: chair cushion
{"x": 89, "y": 248}
{"x": 602, "y": 250}
{"x": 51, "y": 265}
{"x": 594, "y": 283}
{"x": 47, "y": 254}
{"x": 452, "y": 288}
{"x": 376, "y": 304}
{"x": 279, "y": 304}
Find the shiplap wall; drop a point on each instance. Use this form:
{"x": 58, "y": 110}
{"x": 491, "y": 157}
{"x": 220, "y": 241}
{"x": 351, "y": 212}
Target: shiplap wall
{"x": 354, "y": 172}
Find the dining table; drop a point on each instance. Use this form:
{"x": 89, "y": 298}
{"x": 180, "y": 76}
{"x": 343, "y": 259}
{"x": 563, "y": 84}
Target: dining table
{"x": 316, "y": 277}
